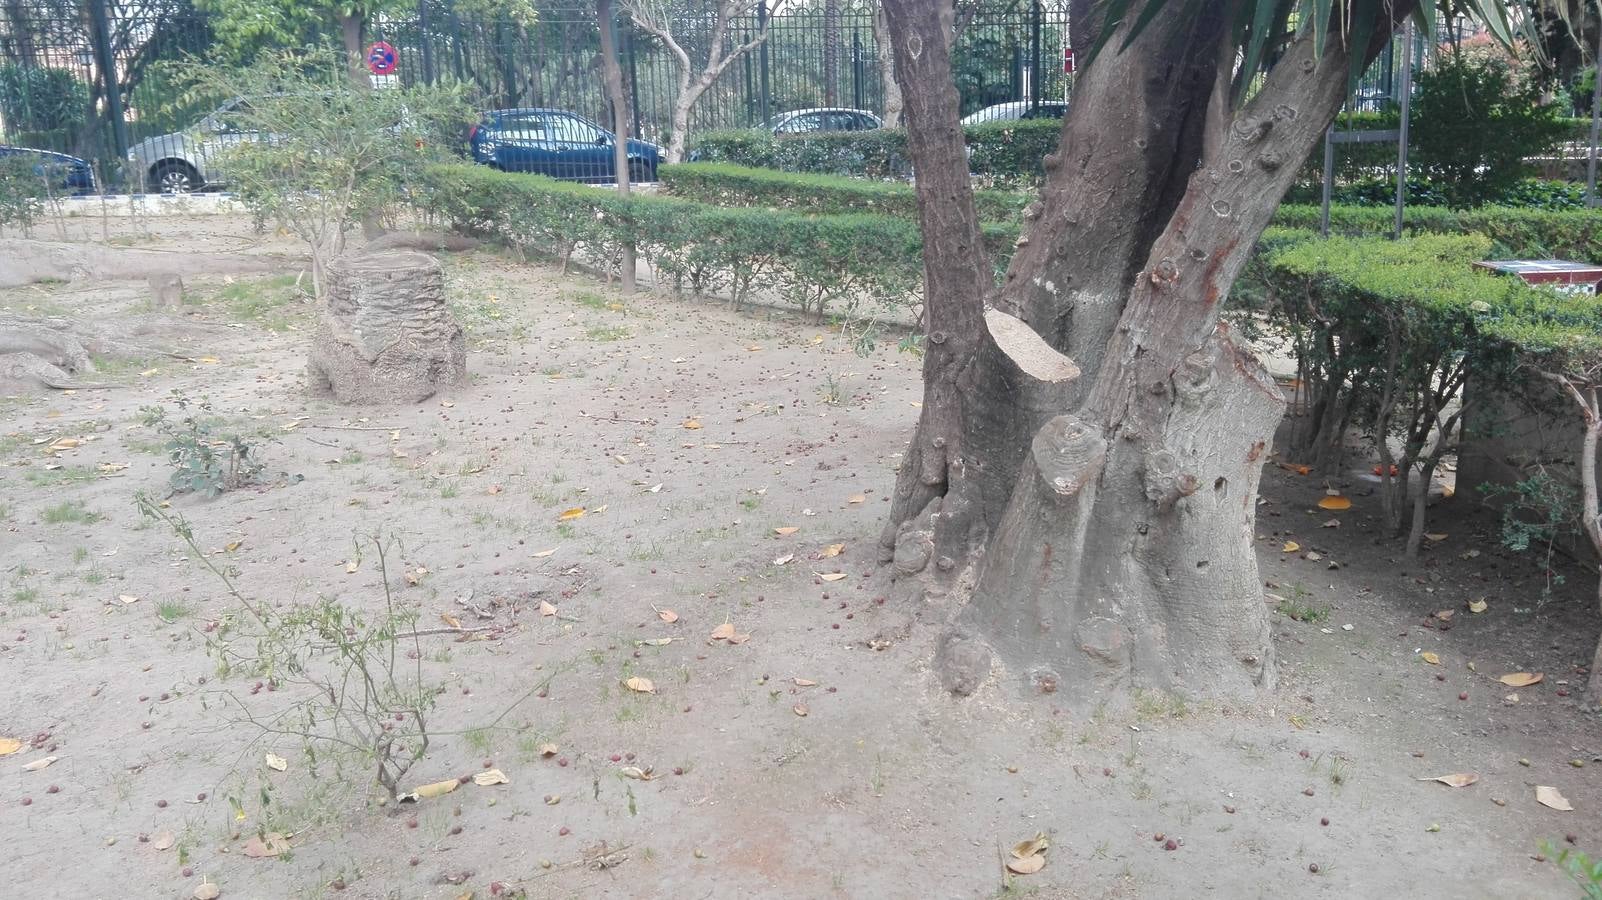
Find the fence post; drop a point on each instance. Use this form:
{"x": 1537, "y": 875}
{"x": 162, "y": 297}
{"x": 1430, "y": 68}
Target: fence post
{"x": 856, "y": 70}
{"x": 634, "y": 82}
{"x": 100, "y": 33}
{"x": 423, "y": 39}
{"x": 767, "y": 95}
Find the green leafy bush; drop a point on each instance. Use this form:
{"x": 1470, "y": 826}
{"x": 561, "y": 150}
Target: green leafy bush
{"x": 1002, "y": 150}
{"x": 1521, "y": 233}
{"x": 35, "y": 99}
{"x": 22, "y": 194}
{"x": 812, "y": 261}
{"x": 724, "y": 184}
{"x": 1475, "y": 124}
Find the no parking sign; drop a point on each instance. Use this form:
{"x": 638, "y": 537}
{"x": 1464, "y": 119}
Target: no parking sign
{"x": 381, "y": 58}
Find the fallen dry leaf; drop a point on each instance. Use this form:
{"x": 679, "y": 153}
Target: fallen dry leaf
{"x": 831, "y": 550}
{"x": 692, "y": 424}
{"x": 1478, "y": 606}
{"x": 1034, "y": 845}
{"x": 263, "y": 846}
{"x": 723, "y": 632}
{"x": 430, "y": 791}
{"x": 1029, "y": 865}
{"x": 1431, "y": 658}
{"x": 351, "y": 567}
{"x": 128, "y": 598}
{"x": 857, "y": 498}
{"x": 206, "y": 890}
{"x": 276, "y": 763}
{"x": 9, "y": 746}
{"x": 654, "y": 642}
{"x": 635, "y": 772}
{"x": 546, "y": 609}
{"x": 491, "y": 776}
{"x": 1296, "y": 467}
{"x": 1290, "y": 547}
{"x": 164, "y": 841}
{"x": 786, "y": 530}
{"x": 493, "y": 489}
{"x": 1522, "y": 679}
{"x": 784, "y": 559}
{"x": 641, "y": 685}
{"x": 667, "y": 615}
{"x": 450, "y": 620}
{"x": 1549, "y": 797}
{"x": 1335, "y": 503}
{"x": 800, "y": 709}
{"x": 1445, "y": 615}
{"x": 231, "y": 546}
{"x": 569, "y": 515}
{"x": 804, "y": 682}
{"x": 549, "y": 749}
{"x": 739, "y": 638}
{"x": 544, "y": 553}
{"x": 1333, "y": 523}
{"x": 1435, "y": 537}
{"x": 832, "y": 576}
{"x": 1457, "y": 779}
{"x": 38, "y": 764}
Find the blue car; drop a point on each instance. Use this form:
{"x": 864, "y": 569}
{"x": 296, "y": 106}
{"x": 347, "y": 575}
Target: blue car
{"x": 68, "y": 174}
{"x": 556, "y": 143}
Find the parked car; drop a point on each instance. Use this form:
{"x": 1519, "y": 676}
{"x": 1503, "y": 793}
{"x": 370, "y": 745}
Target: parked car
{"x": 67, "y": 174}
{"x": 186, "y": 161}
{"x": 1018, "y": 109}
{"x": 557, "y": 143}
{"x": 806, "y": 121}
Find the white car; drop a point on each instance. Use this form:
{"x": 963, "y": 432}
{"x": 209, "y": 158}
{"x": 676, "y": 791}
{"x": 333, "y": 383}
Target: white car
{"x": 1018, "y": 109}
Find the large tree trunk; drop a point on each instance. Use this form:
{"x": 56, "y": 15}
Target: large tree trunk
{"x": 612, "y": 73}
{"x": 1119, "y": 511}
{"x": 831, "y": 52}
{"x": 887, "y": 70}
{"x": 352, "y": 25}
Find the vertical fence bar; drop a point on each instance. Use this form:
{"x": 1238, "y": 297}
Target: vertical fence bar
{"x": 1401, "y": 134}
{"x": 1034, "y": 54}
{"x": 767, "y": 87}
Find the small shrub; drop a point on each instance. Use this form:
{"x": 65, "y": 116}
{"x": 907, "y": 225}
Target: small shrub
{"x": 202, "y": 461}
{"x": 726, "y": 184}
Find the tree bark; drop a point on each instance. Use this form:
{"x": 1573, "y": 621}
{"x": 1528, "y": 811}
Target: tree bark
{"x": 887, "y": 70}
{"x": 352, "y": 24}
{"x": 692, "y": 83}
{"x": 831, "y": 51}
{"x": 612, "y": 73}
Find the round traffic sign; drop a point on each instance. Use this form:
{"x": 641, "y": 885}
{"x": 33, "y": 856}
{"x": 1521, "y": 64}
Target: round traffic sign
{"x": 381, "y": 58}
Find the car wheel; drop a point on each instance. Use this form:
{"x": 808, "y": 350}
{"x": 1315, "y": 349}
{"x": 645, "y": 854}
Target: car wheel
{"x": 641, "y": 172}
{"x": 174, "y": 177}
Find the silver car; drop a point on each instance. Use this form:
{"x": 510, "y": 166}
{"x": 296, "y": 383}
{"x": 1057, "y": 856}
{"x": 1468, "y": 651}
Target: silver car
{"x": 186, "y": 161}
{"x": 806, "y": 121}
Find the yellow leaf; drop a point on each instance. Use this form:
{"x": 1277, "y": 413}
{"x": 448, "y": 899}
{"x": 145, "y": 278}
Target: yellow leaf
{"x": 1549, "y": 797}
{"x": 430, "y": 791}
{"x": 787, "y": 530}
{"x": 692, "y": 424}
{"x": 1456, "y": 779}
{"x": 667, "y": 615}
{"x": 1029, "y": 865}
{"x": 209, "y": 360}
{"x": 1431, "y": 658}
{"x": 65, "y": 444}
{"x": 831, "y": 550}
{"x": 723, "y": 632}
{"x": 1335, "y": 503}
{"x": 1034, "y": 845}
{"x": 276, "y": 763}
{"x": 569, "y": 515}
{"x": 1290, "y": 547}
{"x": 640, "y": 685}
{"x": 1478, "y": 606}
{"x": 546, "y": 609}
{"x": 800, "y": 709}
{"x": 9, "y": 746}
{"x": 1522, "y": 679}
{"x": 231, "y": 546}
{"x": 544, "y": 553}
{"x": 491, "y": 776}
{"x": 832, "y": 576}
{"x": 450, "y": 620}
{"x": 857, "y": 498}
{"x": 804, "y": 682}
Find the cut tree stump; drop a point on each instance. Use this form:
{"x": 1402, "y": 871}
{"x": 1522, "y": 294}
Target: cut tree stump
{"x": 385, "y": 334}
{"x": 166, "y": 291}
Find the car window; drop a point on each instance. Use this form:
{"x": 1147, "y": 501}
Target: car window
{"x": 523, "y": 127}
{"x": 568, "y": 129}
{"x": 863, "y": 123}
{"x": 803, "y": 123}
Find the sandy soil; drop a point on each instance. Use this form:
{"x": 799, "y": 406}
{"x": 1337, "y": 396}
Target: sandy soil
{"x": 886, "y": 788}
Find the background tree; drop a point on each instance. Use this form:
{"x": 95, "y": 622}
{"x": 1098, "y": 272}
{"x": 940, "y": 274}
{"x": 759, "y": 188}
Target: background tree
{"x": 1086, "y": 462}
{"x": 661, "y": 19}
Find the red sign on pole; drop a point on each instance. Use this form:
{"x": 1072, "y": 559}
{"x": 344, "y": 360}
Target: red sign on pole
{"x": 1068, "y": 60}
{"x": 381, "y": 58}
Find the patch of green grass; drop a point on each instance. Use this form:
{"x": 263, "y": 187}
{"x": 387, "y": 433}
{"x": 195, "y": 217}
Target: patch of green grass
{"x": 565, "y": 530}
{"x": 449, "y": 490}
{"x": 590, "y": 299}
{"x": 59, "y": 477}
{"x": 79, "y": 554}
{"x": 1159, "y": 705}
{"x": 70, "y": 512}
{"x": 604, "y": 335}
{"x": 351, "y": 457}
{"x": 265, "y": 301}
{"x": 170, "y": 611}
{"x": 1303, "y": 610}
{"x": 29, "y": 594}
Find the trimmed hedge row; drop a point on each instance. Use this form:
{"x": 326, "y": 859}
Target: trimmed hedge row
{"x": 808, "y": 260}
{"x": 1003, "y": 150}
{"x": 1527, "y": 233}
{"x": 723, "y": 184}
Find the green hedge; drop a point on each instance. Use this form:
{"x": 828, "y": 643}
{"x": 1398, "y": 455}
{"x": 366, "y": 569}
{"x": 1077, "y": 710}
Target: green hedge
{"x": 724, "y": 184}
{"x": 809, "y": 260}
{"x": 1517, "y": 232}
{"x": 1003, "y": 150}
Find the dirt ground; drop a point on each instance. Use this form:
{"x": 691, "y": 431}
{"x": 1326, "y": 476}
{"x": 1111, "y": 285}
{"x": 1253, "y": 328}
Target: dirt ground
{"x": 885, "y": 788}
